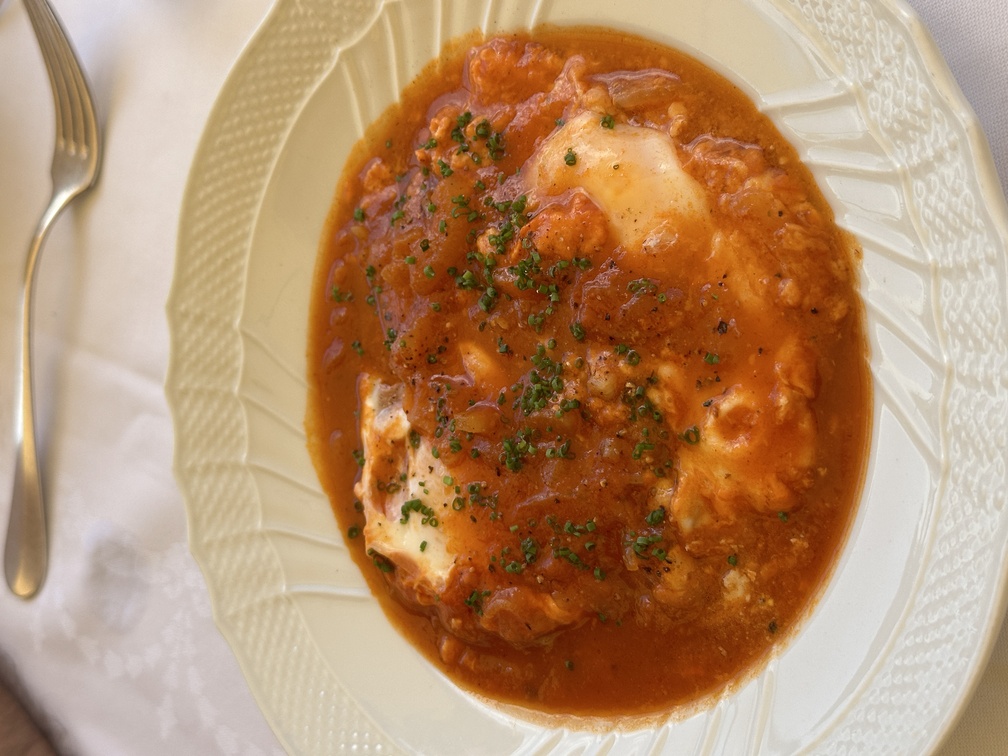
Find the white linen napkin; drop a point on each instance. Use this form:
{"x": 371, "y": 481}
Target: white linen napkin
{"x": 118, "y": 654}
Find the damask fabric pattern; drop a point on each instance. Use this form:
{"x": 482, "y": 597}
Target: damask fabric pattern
{"x": 119, "y": 653}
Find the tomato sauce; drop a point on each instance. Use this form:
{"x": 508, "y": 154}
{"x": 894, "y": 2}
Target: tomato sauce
{"x": 588, "y": 383}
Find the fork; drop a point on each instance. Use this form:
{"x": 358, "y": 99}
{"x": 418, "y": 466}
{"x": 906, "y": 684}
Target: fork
{"x": 76, "y": 160}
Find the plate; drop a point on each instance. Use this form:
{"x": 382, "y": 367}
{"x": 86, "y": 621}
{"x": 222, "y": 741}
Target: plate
{"x": 897, "y": 641}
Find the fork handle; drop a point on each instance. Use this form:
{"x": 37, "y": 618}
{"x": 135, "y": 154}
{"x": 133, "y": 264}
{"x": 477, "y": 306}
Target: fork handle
{"x": 26, "y": 552}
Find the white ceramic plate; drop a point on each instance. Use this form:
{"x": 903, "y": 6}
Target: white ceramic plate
{"x": 900, "y": 635}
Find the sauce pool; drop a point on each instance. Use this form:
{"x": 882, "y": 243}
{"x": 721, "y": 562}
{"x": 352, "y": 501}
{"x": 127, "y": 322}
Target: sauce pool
{"x": 588, "y": 382}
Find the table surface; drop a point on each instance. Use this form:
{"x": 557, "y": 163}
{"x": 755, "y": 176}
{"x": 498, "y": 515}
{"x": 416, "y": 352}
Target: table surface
{"x": 119, "y": 652}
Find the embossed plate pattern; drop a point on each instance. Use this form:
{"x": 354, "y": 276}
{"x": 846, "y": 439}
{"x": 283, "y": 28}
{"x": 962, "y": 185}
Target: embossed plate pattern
{"x": 898, "y": 639}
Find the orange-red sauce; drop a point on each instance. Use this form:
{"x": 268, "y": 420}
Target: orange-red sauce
{"x": 656, "y": 440}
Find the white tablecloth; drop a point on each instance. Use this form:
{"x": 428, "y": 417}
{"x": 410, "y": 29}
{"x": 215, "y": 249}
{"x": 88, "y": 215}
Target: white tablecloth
{"x": 119, "y": 653}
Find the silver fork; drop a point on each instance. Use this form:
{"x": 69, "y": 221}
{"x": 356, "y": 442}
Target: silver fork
{"x": 76, "y": 160}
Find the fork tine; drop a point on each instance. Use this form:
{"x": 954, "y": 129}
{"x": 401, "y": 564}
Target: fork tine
{"x": 42, "y": 25}
{"x": 75, "y": 118}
